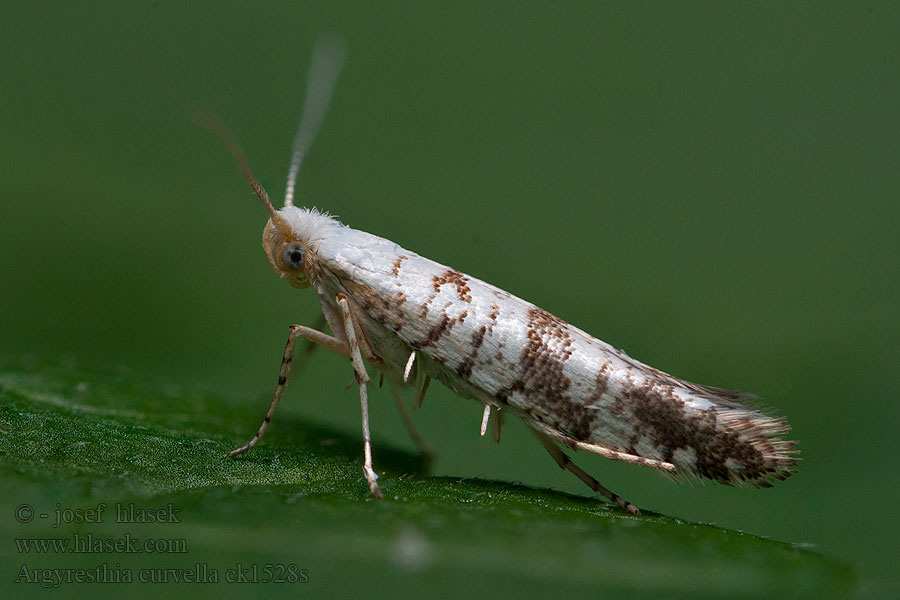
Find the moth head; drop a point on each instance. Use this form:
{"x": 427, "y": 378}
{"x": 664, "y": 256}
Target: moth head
{"x": 288, "y": 254}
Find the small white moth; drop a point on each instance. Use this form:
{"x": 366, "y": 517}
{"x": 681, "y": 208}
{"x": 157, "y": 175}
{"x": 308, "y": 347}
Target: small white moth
{"x": 415, "y": 320}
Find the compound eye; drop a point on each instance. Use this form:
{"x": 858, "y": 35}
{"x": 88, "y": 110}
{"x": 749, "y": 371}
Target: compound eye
{"x": 293, "y": 256}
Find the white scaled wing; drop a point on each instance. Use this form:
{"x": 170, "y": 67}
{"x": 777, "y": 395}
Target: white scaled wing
{"x": 487, "y": 344}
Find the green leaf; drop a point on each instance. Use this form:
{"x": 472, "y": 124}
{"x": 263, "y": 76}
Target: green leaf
{"x": 299, "y": 504}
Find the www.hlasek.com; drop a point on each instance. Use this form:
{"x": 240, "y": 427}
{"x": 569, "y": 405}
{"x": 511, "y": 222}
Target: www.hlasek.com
{"x": 89, "y": 544}
{"x": 198, "y": 573}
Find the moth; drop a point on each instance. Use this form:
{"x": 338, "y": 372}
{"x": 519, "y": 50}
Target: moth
{"x": 415, "y": 320}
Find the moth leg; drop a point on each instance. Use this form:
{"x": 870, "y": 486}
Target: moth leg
{"x": 414, "y": 432}
{"x": 361, "y": 378}
{"x": 603, "y": 451}
{"x": 409, "y": 366}
{"x": 421, "y": 387}
{"x": 307, "y": 346}
{"x": 496, "y": 424}
{"x": 492, "y": 418}
{"x": 565, "y": 462}
{"x": 317, "y": 337}
{"x": 484, "y": 419}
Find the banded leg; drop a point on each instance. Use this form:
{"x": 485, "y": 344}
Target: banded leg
{"x": 317, "y": 337}
{"x": 565, "y": 462}
{"x": 361, "y": 378}
{"x": 414, "y": 432}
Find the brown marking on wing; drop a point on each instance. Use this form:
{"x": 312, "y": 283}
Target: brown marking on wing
{"x": 397, "y": 262}
{"x": 398, "y": 298}
{"x": 454, "y": 277}
{"x": 436, "y": 332}
{"x": 504, "y": 395}
{"x": 478, "y": 338}
{"x": 381, "y": 309}
{"x": 601, "y": 386}
{"x": 371, "y": 305}
{"x": 495, "y": 312}
{"x": 660, "y": 416}
{"x": 464, "y": 369}
{"x": 548, "y": 346}
{"x": 423, "y": 312}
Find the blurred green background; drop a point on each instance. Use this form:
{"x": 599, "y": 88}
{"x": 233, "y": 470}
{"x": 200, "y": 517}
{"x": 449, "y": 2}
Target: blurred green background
{"x": 711, "y": 187}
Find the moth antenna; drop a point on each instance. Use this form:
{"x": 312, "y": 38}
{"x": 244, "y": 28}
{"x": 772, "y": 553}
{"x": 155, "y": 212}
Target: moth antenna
{"x": 329, "y": 55}
{"x": 214, "y": 125}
